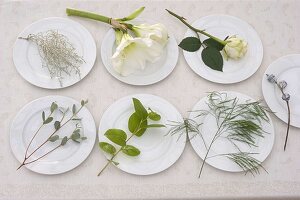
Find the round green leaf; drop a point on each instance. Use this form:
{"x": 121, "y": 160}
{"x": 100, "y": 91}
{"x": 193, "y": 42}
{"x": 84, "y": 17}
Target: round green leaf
{"x": 130, "y": 150}
{"x": 117, "y": 136}
{"x": 190, "y": 44}
{"x": 212, "y": 58}
{"x": 108, "y": 148}
{"x": 135, "y": 123}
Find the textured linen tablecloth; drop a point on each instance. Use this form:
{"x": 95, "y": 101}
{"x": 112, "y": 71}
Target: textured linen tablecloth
{"x": 278, "y": 25}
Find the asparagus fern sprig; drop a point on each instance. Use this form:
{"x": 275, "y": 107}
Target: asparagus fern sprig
{"x": 238, "y": 122}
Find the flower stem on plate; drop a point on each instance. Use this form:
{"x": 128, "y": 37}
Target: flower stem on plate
{"x": 183, "y": 20}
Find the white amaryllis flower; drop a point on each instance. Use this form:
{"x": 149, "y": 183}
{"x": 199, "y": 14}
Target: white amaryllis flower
{"x": 132, "y": 54}
{"x": 235, "y": 47}
{"x": 156, "y": 32}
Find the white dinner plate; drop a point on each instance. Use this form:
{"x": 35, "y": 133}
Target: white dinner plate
{"x": 28, "y": 62}
{"x": 222, "y": 145}
{"x": 64, "y": 158}
{"x": 234, "y": 71}
{"x": 158, "y": 149}
{"x": 286, "y": 68}
{"x": 153, "y": 72}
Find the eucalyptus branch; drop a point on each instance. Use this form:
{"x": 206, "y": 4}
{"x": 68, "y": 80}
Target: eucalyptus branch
{"x": 57, "y": 125}
{"x": 285, "y": 97}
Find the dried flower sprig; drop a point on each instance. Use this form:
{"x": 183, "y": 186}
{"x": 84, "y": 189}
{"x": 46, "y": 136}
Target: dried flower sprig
{"x": 137, "y": 125}
{"x": 57, "y": 54}
{"x": 53, "y": 137}
{"x": 236, "y": 121}
{"x": 285, "y": 97}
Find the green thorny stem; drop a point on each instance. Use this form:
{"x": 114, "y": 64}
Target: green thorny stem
{"x": 139, "y": 128}
{"x": 27, "y": 157}
{"x": 118, "y": 23}
{"x": 183, "y": 20}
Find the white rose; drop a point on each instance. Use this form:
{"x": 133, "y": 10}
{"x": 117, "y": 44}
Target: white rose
{"x": 235, "y": 47}
{"x": 132, "y": 54}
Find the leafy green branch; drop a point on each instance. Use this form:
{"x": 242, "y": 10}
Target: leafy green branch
{"x": 53, "y": 137}
{"x": 137, "y": 125}
{"x": 236, "y": 121}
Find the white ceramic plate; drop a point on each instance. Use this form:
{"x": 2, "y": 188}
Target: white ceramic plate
{"x": 285, "y": 68}
{"x": 153, "y": 73}
{"x": 158, "y": 150}
{"x": 66, "y": 157}
{"x": 27, "y": 59}
{"x": 234, "y": 71}
{"x": 222, "y": 145}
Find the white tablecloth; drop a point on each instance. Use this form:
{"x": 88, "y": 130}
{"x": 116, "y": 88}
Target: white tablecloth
{"x": 277, "y": 23}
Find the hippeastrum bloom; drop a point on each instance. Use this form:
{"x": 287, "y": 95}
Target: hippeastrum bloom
{"x": 156, "y": 32}
{"x": 132, "y": 54}
{"x": 235, "y": 47}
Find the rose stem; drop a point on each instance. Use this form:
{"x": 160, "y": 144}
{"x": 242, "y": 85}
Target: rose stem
{"x": 183, "y": 20}
{"x": 288, "y": 127}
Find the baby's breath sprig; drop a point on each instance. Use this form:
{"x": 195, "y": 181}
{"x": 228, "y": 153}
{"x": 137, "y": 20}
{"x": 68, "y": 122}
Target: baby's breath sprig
{"x": 57, "y": 54}
{"x": 285, "y": 97}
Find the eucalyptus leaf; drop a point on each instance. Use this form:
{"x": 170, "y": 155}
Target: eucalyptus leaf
{"x": 212, "y": 58}
{"x": 48, "y": 120}
{"x": 213, "y": 43}
{"x": 57, "y": 125}
{"x": 64, "y": 141}
{"x": 130, "y": 150}
{"x": 135, "y": 123}
{"x": 74, "y": 109}
{"x": 82, "y": 103}
{"x": 108, "y": 148}
{"x": 139, "y": 108}
{"x": 190, "y": 44}
{"x": 43, "y": 116}
{"x": 53, "y": 107}
{"x": 83, "y": 138}
{"x": 75, "y": 136}
{"x": 53, "y": 138}
{"x": 117, "y": 136}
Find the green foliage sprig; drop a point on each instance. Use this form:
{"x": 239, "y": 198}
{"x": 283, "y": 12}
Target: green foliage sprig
{"x": 138, "y": 123}
{"x": 236, "y": 121}
{"x": 75, "y": 135}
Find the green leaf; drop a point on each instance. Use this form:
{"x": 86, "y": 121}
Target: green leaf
{"x": 82, "y": 103}
{"x": 153, "y": 115}
{"x": 213, "y": 43}
{"x": 75, "y": 135}
{"x": 57, "y": 125}
{"x": 155, "y": 126}
{"x": 64, "y": 141}
{"x": 48, "y": 120}
{"x": 117, "y": 136}
{"x": 139, "y": 108}
{"x": 53, "y": 107}
{"x": 74, "y": 109}
{"x": 43, "y": 116}
{"x": 83, "y": 138}
{"x": 108, "y": 148}
{"x": 212, "y": 58}
{"x": 190, "y": 44}
{"x": 53, "y": 138}
{"x": 130, "y": 150}
{"x": 135, "y": 123}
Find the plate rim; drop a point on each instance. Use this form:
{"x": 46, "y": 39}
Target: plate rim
{"x": 183, "y": 144}
{"x": 272, "y": 134}
{"x": 221, "y": 81}
{"x": 53, "y": 18}
{"x": 41, "y": 171}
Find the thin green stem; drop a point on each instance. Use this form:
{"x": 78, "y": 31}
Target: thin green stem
{"x": 288, "y": 127}
{"x": 183, "y": 20}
